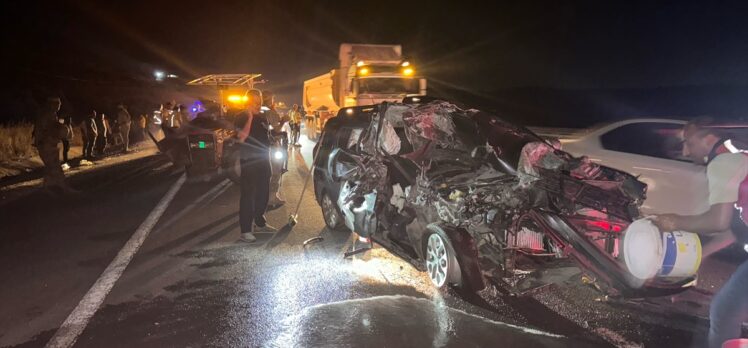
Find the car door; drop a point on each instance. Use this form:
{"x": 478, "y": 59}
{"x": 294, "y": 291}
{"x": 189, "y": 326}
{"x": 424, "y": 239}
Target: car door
{"x": 652, "y": 151}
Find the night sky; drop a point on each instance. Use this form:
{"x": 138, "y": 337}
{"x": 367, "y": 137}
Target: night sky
{"x": 477, "y": 49}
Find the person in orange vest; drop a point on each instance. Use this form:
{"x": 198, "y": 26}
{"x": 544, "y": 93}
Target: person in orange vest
{"x": 727, "y": 172}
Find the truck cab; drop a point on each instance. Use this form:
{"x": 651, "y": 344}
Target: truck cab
{"x": 367, "y": 75}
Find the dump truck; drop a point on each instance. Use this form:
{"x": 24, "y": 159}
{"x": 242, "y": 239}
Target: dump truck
{"x": 367, "y": 74}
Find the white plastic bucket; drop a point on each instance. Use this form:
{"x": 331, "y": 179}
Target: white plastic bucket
{"x": 649, "y": 253}
{"x": 682, "y": 256}
{"x": 642, "y": 249}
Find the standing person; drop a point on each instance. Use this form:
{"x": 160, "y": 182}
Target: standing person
{"x": 727, "y": 174}
{"x": 277, "y": 151}
{"x": 67, "y": 122}
{"x": 102, "y": 130}
{"x": 143, "y": 123}
{"x": 181, "y": 116}
{"x": 254, "y": 133}
{"x": 295, "y": 116}
{"x": 47, "y": 134}
{"x": 89, "y": 134}
{"x": 124, "y": 121}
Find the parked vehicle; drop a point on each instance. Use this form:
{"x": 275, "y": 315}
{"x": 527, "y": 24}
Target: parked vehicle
{"x": 205, "y": 146}
{"x": 472, "y": 199}
{"x": 366, "y": 75}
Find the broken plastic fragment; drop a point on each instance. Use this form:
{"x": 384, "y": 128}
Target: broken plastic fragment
{"x": 455, "y": 195}
{"x": 398, "y": 197}
{"x": 389, "y": 139}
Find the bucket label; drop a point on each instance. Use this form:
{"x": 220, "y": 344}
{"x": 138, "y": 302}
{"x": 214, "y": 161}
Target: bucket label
{"x": 671, "y": 254}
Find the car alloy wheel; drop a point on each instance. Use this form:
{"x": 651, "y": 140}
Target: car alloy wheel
{"x": 330, "y": 212}
{"x": 437, "y": 260}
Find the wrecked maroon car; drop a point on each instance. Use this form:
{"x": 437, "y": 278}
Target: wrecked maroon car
{"x": 474, "y": 200}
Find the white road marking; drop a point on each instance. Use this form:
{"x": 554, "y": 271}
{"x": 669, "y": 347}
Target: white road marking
{"x": 210, "y": 195}
{"x": 77, "y": 321}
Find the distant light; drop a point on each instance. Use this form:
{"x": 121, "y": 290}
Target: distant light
{"x": 349, "y": 111}
{"x": 159, "y": 75}
{"x": 416, "y": 100}
{"x": 405, "y": 63}
{"x": 278, "y": 155}
{"x": 360, "y": 63}
{"x": 408, "y": 71}
{"x": 201, "y": 144}
{"x": 172, "y": 76}
{"x": 194, "y": 109}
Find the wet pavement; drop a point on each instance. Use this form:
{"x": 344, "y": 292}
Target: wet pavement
{"x": 194, "y": 283}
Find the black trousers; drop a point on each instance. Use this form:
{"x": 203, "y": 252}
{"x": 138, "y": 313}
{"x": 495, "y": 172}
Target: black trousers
{"x": 89, "y": 143}
{"x": 255, "y": 190}
{"x": 65, "y": 150}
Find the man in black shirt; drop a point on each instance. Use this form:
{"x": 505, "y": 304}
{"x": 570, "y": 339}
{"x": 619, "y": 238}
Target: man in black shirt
{"x": 254, "y": 133}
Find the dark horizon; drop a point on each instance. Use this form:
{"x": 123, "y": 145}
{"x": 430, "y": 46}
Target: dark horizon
{"x": 466, "y": 50}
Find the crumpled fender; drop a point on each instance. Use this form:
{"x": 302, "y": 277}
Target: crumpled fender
{"x": 592, "y": 259}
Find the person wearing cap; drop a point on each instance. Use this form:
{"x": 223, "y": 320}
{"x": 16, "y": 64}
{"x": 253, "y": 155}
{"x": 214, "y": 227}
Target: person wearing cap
{"x": 48, "y": 132}
{"x": 254, "y": 135}
{"x": 727, "y": 173}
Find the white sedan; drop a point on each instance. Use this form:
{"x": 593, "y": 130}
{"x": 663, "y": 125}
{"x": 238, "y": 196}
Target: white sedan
{"x": 651, "y": 149}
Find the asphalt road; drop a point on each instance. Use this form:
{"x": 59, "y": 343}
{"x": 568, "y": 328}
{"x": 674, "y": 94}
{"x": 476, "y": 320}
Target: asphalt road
{"x": 193, "y": 283}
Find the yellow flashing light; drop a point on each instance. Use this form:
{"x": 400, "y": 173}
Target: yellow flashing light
{"x": 363, "y": 71}
{"x": 408, "y": 71}
{"x": 235, "y": 98}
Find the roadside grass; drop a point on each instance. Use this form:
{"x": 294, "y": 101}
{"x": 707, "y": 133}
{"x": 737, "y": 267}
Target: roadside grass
{"x": 16, "y": 142}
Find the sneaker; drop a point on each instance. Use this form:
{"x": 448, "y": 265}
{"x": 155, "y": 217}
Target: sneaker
{"x": 65, "y": 167}
{"x": 248, "y": 237}
{"x": 267, "y": 229}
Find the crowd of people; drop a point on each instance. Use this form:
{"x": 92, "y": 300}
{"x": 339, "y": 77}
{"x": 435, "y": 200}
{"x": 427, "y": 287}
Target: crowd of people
{"x": 101, "y": 136}
{"x": 268, "y": 132}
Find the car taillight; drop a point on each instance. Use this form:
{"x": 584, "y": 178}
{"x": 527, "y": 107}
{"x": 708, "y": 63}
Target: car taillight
{"x": 599, "y": 225}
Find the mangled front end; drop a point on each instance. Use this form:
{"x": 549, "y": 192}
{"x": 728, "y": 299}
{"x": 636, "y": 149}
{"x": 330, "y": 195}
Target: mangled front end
{"x": 511, "y": 203}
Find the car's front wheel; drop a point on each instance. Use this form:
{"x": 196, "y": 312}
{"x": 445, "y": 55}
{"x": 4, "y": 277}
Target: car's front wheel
{"x": 331, "y": 213}
{"x": 441, "y": 261}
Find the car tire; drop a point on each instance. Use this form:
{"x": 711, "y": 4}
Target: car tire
{"x": 334, "y": 219}
{"x": 441, "y": 260}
